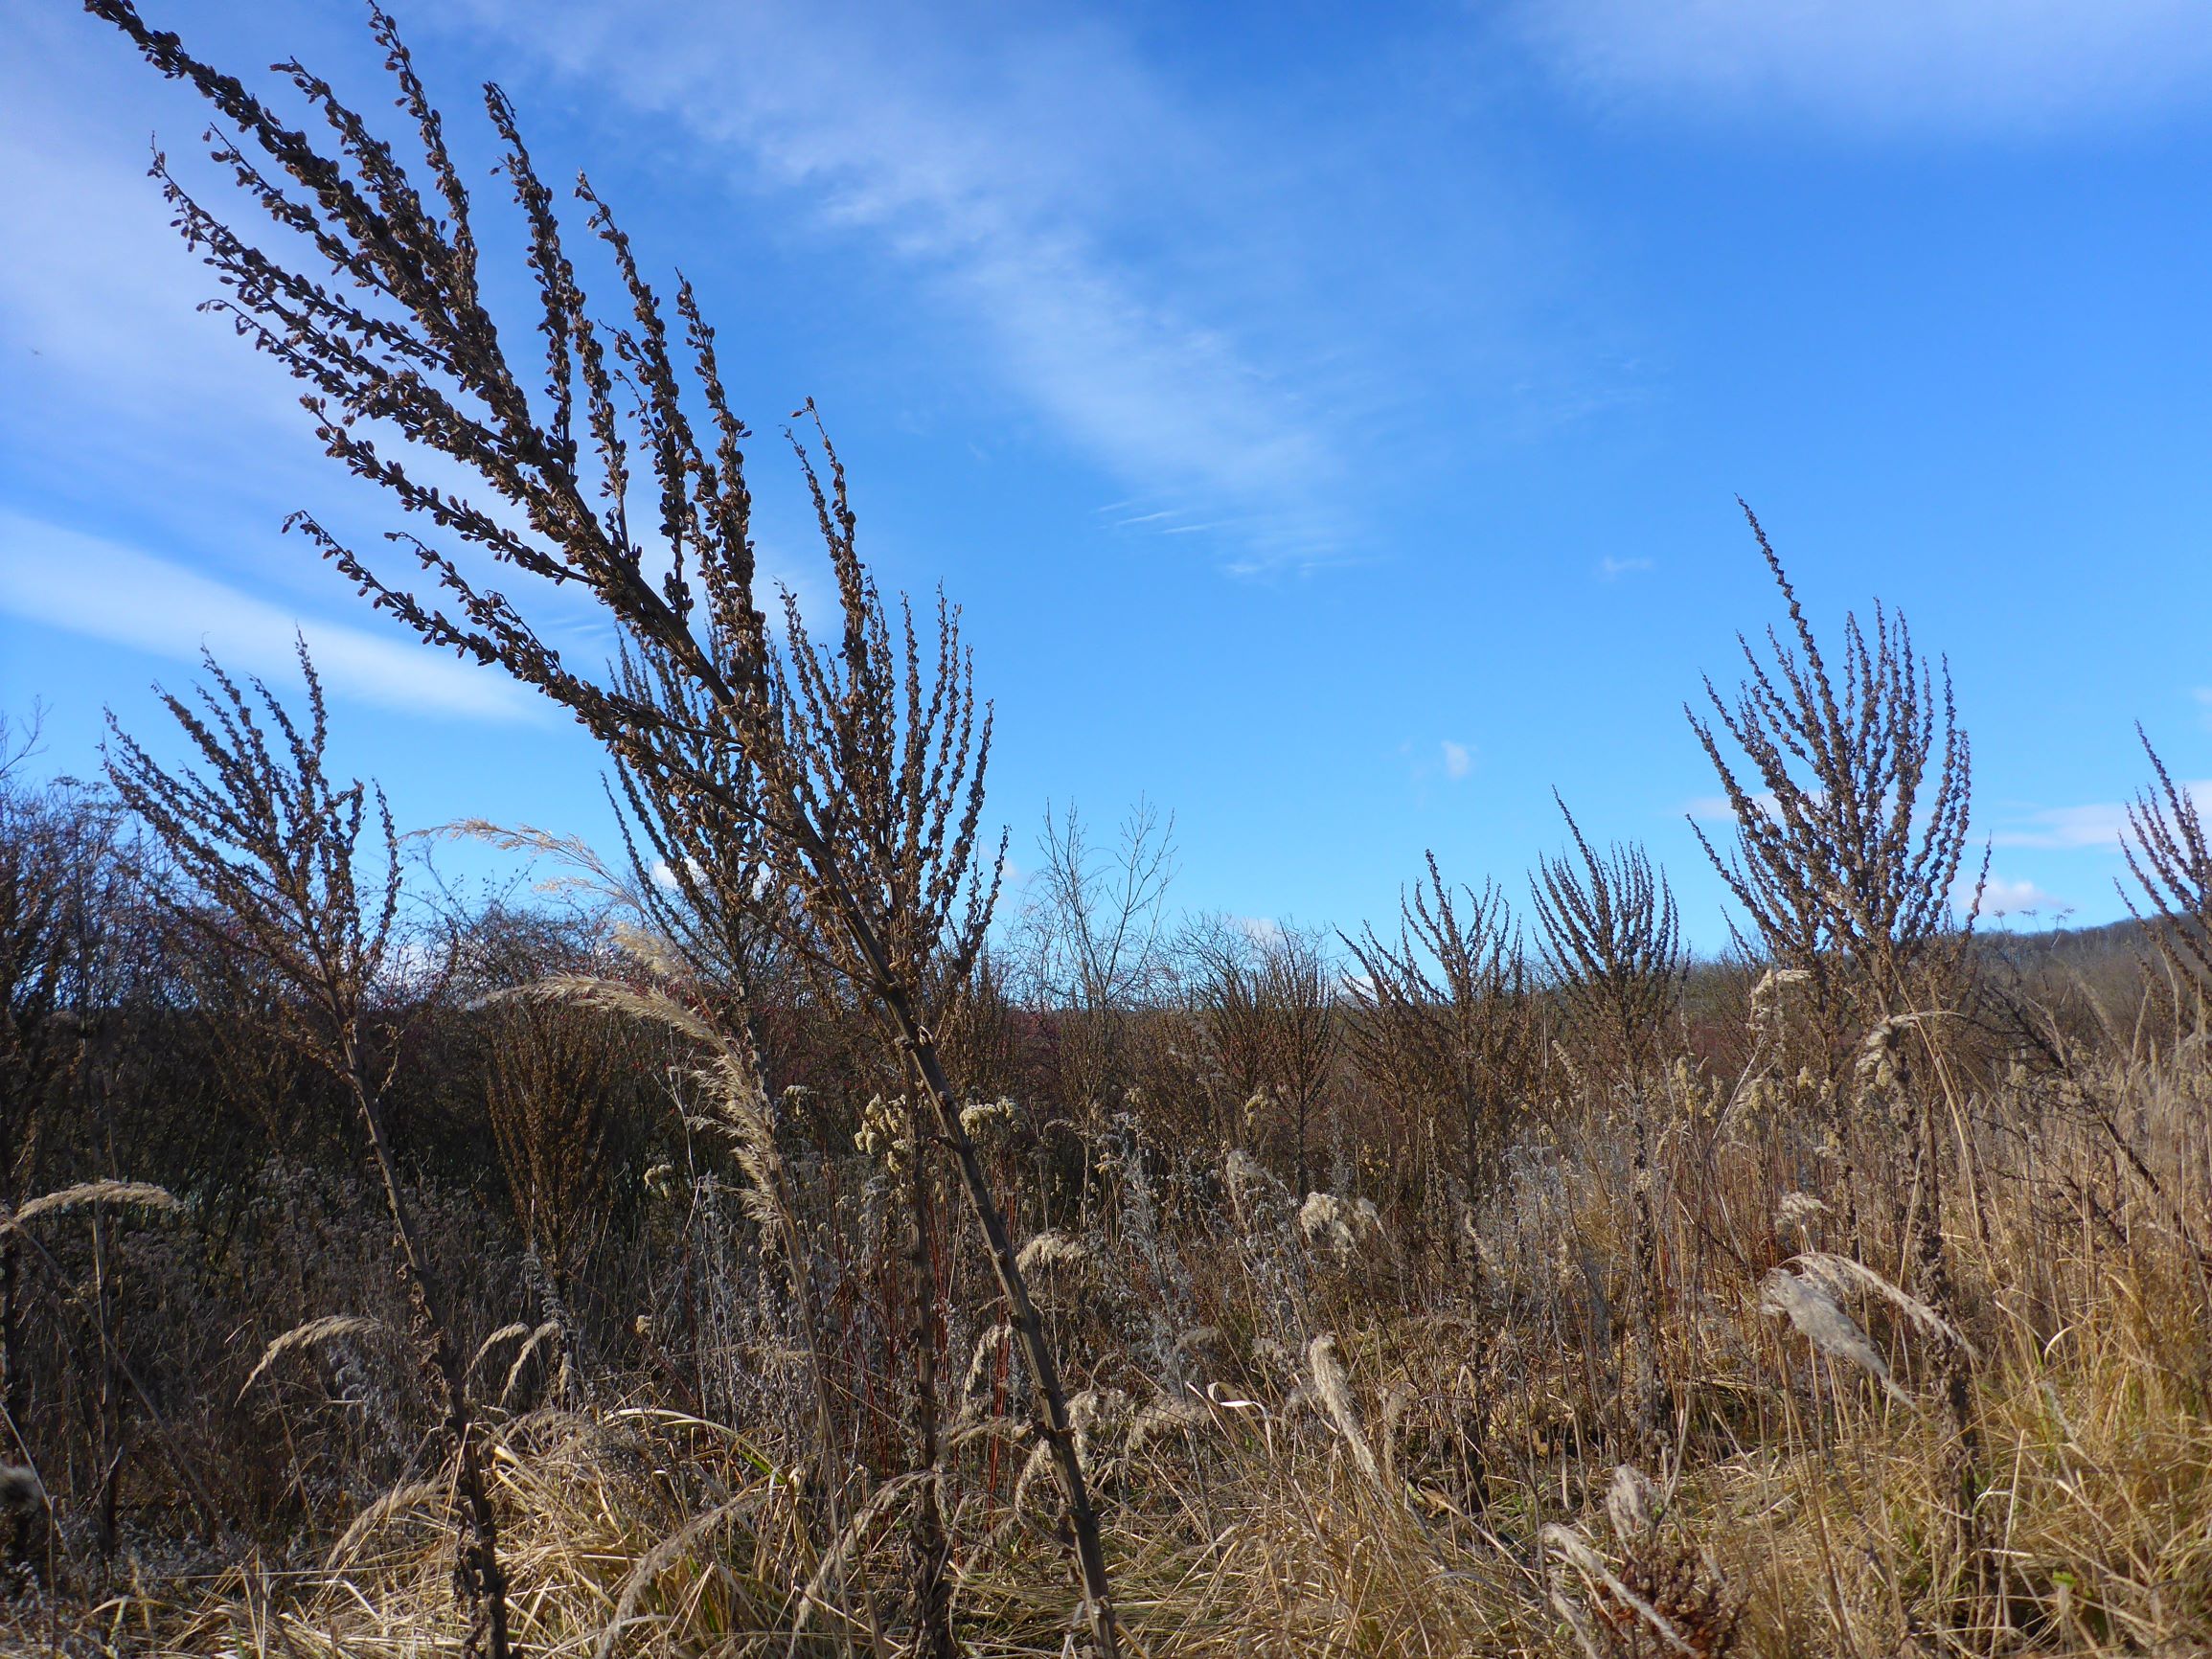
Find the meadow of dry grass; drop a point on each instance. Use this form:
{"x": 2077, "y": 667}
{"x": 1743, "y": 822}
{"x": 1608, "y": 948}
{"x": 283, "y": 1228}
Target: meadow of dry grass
{"x": 779, "y": 1240}
{"x": 1378, "y": 1419}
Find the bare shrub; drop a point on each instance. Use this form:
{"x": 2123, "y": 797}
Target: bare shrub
{"x": 859, "y": 759}
{"x": 269, "y": 846}
{"x": 1851, "y": 815}
{"x": 1268, "y": 999}
{"x": 1442, "y": 1013}
{"x": 1612, "y": 952}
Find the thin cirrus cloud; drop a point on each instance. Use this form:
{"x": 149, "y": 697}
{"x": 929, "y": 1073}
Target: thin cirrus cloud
{"x": 1000, "y": 179}
{"x": 98, "y": 589}
{"x": 1914, "y": 65}
{"x": 2100, "y": 824}
{"x": 97, "y": 297}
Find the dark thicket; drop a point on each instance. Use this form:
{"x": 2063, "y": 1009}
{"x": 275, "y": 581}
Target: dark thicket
{"x": 1442, "y": 1013}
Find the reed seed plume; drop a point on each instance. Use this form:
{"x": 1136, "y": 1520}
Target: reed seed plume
{"x": 141, "y": 1195}
{"x": 1332, "y": 1387}
{"x": 328, "y": 1328}
{"x": 1840, "y": 1277}
{"x": 1813, "y": 1312}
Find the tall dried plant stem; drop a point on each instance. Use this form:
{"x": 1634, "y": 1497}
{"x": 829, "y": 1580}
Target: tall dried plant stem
{"x": 929, "y": 1552}
{"x": 861, "y": 767}
{"x": 266, "y": 842}
{"x": 1058, "y": 1429}
{"x": 1851, "y": 814}
{"x": 1648, "y": 1390}
{"x": 479, "y": 1579}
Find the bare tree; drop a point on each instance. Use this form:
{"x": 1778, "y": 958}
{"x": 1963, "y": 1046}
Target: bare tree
{"x": 866, "y": 752}
{"x": 274, "y": 874}
{"x": 1094, "y": 929}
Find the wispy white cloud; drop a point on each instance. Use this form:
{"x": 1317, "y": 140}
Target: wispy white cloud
{"x": 2099, "y": 823}
{"x": 1965, "y": 65}
{"x": 1264, "y": 931}
{"x": 97, "y": 589}
{"x": 1005, "y": 169}
{"x": 1612, "y": 569}
{"x": 113, "y": 382}
{"x": 1446, "y": 758}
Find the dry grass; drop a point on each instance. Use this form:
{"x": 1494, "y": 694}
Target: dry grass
{"x": 1299, "y": 1451}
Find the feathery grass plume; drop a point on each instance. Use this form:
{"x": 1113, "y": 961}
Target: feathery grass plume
{"x": 1632, "y": 1504}
{"x": 1339, "y": 1226}
{"x": 1171, "y": 1414}
{"x": 1841, "y": 1277}
{"x": 142, "y": 1193}
{"x": 549, "y": 1332}
{"x": 1051, "y": 1252}
{"x": 1332, "y": 1387}
{"x": 328, "y": 1328}
{"x": 506, "y": 1334}
{"x": 1799, "y": 1210}
{"x": 992, "y": 1345}
{"x": 395, "y": 1502}
{"x": 1821, "y": 1322}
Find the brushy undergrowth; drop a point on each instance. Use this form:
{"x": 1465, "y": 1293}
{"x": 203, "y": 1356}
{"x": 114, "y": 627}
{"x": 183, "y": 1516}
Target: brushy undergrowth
{"x": 1347, "y": 1440}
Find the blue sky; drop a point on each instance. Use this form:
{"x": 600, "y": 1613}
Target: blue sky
{"x": 1329, "y": 417}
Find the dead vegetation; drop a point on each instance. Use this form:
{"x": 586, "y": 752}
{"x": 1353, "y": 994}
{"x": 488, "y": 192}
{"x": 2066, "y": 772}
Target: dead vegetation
{"x": 584, "y": 1278}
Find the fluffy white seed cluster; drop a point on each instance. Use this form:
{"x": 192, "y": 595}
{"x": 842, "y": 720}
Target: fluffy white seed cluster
{"x": 1341, "y": 1227}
